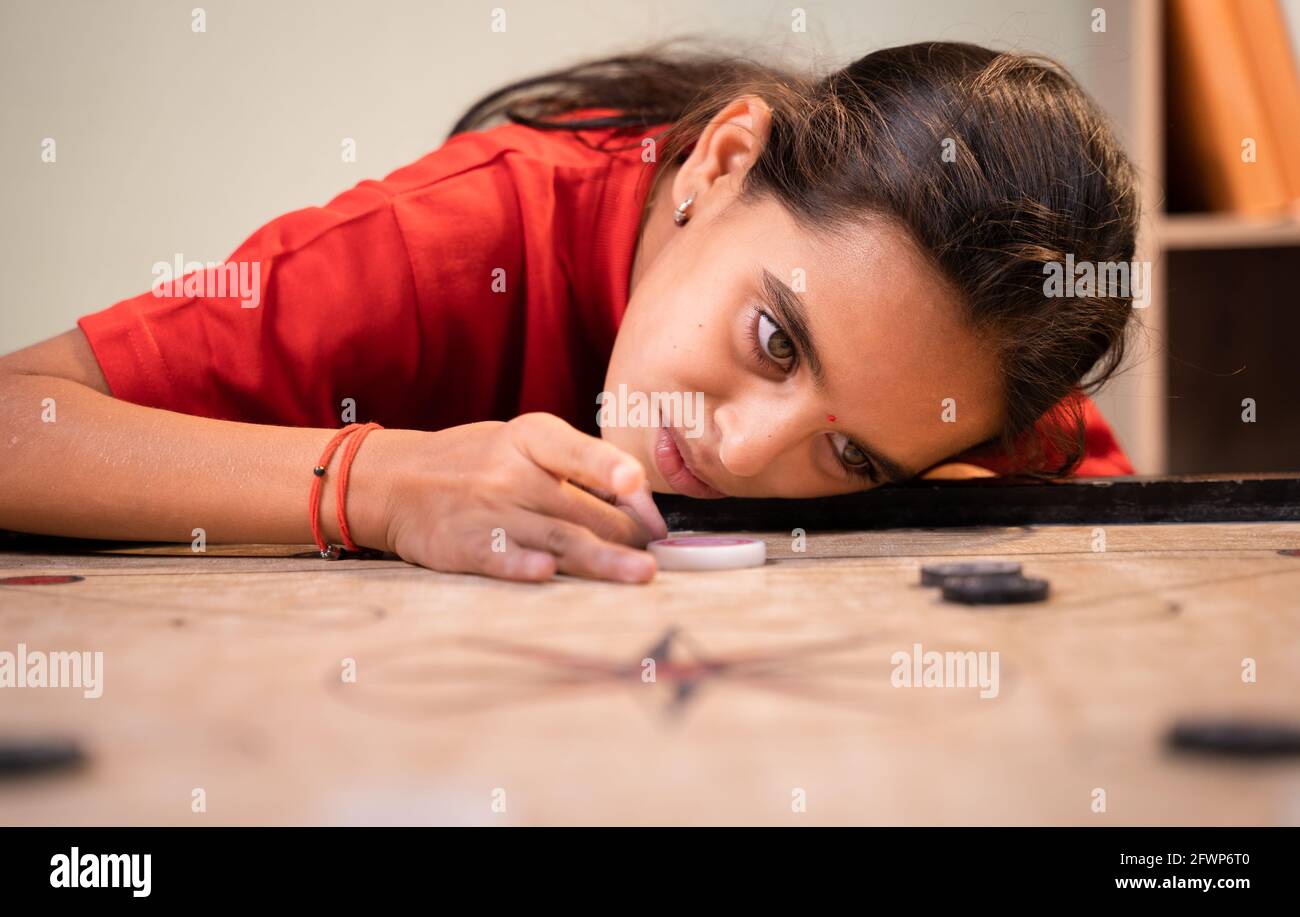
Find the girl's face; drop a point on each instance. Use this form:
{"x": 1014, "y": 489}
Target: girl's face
{"x": 823, "y": 364}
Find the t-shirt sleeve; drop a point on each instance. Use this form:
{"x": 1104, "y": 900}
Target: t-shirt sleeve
{"x": 312, "y": 295}
{"x": 1103, "y": 456}
{"x": 353, "y": 304}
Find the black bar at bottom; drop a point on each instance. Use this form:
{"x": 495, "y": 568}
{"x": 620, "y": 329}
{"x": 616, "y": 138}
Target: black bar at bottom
{"x": 310, "y": 865}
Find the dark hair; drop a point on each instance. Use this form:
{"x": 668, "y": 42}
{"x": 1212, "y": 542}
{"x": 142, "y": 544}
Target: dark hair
{"x": 1037, "y": 174}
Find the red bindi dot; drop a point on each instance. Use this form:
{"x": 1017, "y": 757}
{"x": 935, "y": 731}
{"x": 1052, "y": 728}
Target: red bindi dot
{"x": 831, "y": 418}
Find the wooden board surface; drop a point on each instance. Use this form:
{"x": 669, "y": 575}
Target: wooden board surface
{"x": 223, "y": 672}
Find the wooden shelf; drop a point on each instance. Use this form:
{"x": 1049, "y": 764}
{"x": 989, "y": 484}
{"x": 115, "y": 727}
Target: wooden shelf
{"x": 1234, "y": 244}
{"x": 1224, "y": 230}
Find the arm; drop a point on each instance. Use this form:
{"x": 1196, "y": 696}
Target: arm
{"x": 104, "y": 468}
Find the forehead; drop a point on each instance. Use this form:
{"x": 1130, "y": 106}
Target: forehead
{"x": 888, "y": 327}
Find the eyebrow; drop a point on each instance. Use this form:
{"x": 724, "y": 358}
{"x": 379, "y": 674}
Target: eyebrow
{"x": 792, "y": 314}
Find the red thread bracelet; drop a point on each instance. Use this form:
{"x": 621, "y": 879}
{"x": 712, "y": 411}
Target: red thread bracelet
{"x": 341, "y": 491}
{"x": 326, "y": 551}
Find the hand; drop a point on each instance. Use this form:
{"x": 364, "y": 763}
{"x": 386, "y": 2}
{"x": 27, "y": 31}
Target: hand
{"x": 517, "y": 500}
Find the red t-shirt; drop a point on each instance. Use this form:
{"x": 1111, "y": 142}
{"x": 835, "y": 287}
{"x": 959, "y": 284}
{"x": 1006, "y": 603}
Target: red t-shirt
{"x": 485, "y": 280}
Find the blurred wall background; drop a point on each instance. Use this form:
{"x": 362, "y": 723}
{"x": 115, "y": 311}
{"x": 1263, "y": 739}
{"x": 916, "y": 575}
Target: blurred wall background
{"x": 174, "y": 141}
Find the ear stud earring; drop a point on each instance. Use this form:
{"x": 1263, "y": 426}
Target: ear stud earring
{"x": 679, "y": 215}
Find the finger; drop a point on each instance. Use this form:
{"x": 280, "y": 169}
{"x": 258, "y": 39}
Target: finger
{"x": 516, "y": 562}
{"x": 596, "y": 492}
{"x": 565, "y": 452}
{"x": 604, "y": 519}
{"x": 638, "y": 506}
{"x": 642, "y": 502}
{"x": 578, "y": 551}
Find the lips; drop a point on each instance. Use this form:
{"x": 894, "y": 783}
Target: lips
{"x": 672, "y": 465}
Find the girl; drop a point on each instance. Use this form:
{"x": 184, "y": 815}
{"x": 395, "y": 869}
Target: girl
{"x": 846, "y": 273}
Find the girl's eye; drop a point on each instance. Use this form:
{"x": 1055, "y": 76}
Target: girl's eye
{"x": 776, "y": 344}
{"x": 852, "y": 456}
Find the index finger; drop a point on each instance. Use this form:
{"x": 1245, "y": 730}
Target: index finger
{"x": 558, "y": 448}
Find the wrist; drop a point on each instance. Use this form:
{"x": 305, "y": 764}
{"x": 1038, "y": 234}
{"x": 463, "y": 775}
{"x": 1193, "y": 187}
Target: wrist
{"x": 368, "y": 500}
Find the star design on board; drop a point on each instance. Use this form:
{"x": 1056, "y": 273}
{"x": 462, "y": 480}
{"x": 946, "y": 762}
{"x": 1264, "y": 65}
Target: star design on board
{"x": 476, "y": 674}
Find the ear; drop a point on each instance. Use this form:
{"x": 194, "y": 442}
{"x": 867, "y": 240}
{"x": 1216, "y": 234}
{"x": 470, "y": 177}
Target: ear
{"x": 724, "y": 152}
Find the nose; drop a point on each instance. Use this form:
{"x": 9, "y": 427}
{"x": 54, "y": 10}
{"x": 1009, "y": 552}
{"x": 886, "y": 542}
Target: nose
{"x": 753, "y": 433}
